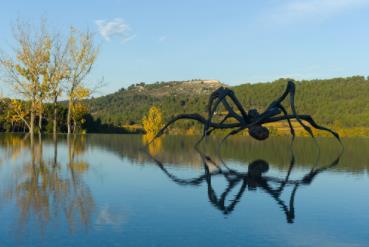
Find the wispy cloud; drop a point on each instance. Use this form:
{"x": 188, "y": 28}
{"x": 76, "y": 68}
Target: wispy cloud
{"x": 302, "y": 9}
{"x": 114, "y": 28}
{"x": 162, "y": 38}
{"x": 109, "y": 217}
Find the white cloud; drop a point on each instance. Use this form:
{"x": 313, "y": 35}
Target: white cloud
{"x": 322, "y": 6}
{"x": 114, "y": 28}
{"x": 108, "y": 217}
{"x": 162, "y": 38}
{"x": 302, "y": 9}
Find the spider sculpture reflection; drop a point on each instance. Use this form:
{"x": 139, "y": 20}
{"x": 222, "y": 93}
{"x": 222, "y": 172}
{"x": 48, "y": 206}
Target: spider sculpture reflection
{"x": 239, "y": 182}
{"x": 251, "y": 120}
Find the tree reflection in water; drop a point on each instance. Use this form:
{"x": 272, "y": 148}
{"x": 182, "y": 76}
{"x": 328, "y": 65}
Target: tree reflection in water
{"x": 46, "y": 189}
{"x": 252, "y": 179}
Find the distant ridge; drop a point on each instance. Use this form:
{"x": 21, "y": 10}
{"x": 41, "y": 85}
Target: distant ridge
{"x": 340, "y": 102}
{"x": 189, "y": 87}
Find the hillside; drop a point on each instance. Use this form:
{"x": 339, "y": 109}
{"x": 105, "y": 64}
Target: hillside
{"x": 342, "y": 102}
{"x": 127, "y": 106}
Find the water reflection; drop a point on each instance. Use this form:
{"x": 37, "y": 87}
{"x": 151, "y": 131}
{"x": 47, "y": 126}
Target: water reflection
{"x": 105, "y": 189}
{"x": 155, "y": 146}
{"x": 252, "y": 179}
{"x": 45, "y": 188}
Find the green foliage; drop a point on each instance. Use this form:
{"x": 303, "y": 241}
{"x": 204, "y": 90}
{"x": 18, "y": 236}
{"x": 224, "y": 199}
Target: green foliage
{"x": 341, "y": 102}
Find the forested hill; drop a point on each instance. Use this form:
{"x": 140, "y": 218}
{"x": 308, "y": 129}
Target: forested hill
{"x": 128, "y": 106}
{"x": 342, "y": 102}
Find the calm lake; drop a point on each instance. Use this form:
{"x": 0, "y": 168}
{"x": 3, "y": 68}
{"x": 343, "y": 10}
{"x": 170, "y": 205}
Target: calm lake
{"x": 107, "y": 190}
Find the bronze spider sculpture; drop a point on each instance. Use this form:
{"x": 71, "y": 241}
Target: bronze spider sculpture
{"x": 251, "y": 120}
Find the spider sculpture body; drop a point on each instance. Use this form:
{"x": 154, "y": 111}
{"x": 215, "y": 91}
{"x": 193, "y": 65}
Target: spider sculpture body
{"x": 252, "y": 119}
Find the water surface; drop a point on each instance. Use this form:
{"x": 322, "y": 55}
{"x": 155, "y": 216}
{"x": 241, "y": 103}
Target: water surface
{"x": 106, "y": 190}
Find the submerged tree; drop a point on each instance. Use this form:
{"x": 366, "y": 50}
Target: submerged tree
{"x": 57, "y": 73}
{"x": 82, "y": 54}
{"x": 79, "y": 108}
{"x": 27, "y": 72}
{"x": 16, "y": 113}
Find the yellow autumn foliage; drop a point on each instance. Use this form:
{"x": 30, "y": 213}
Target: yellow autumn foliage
{"x": 153, "y": 121}
{"x": 155, "y": 146}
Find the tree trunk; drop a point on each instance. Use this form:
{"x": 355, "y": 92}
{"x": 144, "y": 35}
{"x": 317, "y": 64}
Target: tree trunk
{"x": 32, "y": 123}
{"x": 55, "y": 116}
{"x": 69, "y": 116}
{"x": 55, "y": 139}
{"x": 40, "y": 122}
{"x": 74, "y": 126}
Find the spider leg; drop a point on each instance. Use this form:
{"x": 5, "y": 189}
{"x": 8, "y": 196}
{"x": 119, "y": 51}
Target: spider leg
{"x": 312, "y": 122}
{"x": 195, "y": 117}
{"x": 292, "y": 103}
{"x": 230, "y": 110}
{"x": 290, "y": 87}
{"x": 238, "y": 105}
{"x": 306, "y": 118}
{"x": 231, "y": 114}
{"x": 292, "y": 130}
{"x": 221, "y": 122}
{"x": 219, "y": 95}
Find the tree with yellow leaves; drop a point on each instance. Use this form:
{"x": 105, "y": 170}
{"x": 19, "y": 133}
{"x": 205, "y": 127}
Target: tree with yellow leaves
{"x": 78, "y": 107}
{"x": 153, "y": 122}
{"x": 16, "y": 113}
{"x": 26, "y": 73}
{"x": 82, "y": 54}
{"x": 57, "y": 73}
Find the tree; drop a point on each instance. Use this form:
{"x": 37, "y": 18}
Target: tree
{"x": 57, "y": 73}
{"x": 82, "y": 54}
{"x": 16, "y": 113}
{"x": 153, "y": 122}
{"x": 79, "y": 108}
{"x": 26, "y": 74}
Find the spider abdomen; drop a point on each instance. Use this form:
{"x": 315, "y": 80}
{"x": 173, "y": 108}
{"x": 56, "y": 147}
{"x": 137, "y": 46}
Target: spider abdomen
{"x": 259, "y": 132}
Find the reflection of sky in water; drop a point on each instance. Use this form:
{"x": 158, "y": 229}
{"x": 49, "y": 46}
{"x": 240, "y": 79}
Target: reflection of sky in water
{"x": 122, "y": 198}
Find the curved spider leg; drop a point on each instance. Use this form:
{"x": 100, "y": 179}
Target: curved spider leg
{"x": 217, "y": 94}
{"x": 228, "y": 92}
{"x": 288, "y": 211}
{"x": 221, "y": 122}
{"x": 221, "y": 93}
{"x": 277, "y": 102}
{"x": 286, "y": 179}
{"x": 312, "y": 122}
{"x": 238, "y": 105}
{"x": 293, "y": 108}
{"x": 230, "y": 110}
{"x": 292, "y": 130}
{"x": 227, "y": 209}
{"x": 306, "y": 118}
{"x": 291, "y": 213}
{"x": 195, "y": 117}
{"x": 211, "y": 112}
{"x": 189, "y": 181}
{"x": 231, "y": 114}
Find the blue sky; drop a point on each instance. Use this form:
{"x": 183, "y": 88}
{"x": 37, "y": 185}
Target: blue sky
{"x": 232, "y": 41}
